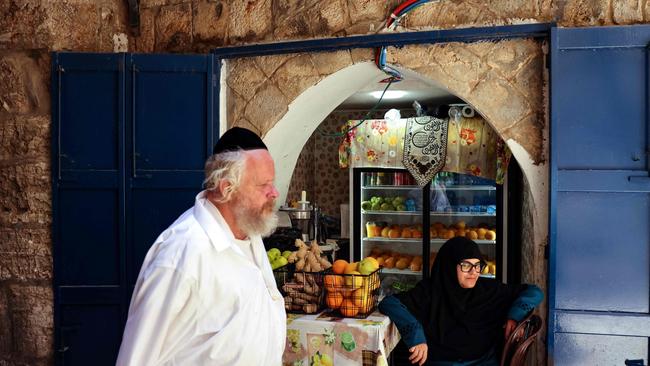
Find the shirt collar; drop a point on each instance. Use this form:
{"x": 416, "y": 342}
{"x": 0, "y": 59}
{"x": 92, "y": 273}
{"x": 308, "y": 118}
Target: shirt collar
{"x": 214, "y": 225}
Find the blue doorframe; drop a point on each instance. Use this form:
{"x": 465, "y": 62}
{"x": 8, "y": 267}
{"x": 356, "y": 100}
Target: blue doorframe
{"x": 113, "y": 187}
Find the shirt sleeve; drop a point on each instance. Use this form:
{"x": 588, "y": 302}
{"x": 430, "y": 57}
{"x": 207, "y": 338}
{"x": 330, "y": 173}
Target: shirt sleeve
{"x": 528, "y": 299}
{"x": 159, "y": 299}
{"x": 409, "y": 327}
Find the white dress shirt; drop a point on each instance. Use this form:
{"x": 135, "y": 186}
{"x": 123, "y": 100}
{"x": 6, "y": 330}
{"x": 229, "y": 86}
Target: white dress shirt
{"x": 199, "y": 300}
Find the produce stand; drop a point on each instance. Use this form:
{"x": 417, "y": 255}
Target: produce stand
{"x": 327, "y": 340}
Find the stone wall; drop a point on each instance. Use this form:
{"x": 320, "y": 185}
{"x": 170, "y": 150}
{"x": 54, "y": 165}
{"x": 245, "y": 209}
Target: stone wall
{"x": 30, "y": 29}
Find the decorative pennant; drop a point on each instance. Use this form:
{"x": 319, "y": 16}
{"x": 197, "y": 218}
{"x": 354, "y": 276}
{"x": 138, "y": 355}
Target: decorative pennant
{"x": 425, "y": 147}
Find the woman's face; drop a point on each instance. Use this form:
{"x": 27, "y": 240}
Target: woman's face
{"x": 468, "y": 279}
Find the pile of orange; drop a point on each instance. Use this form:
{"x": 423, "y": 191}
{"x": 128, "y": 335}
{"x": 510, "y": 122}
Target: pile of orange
{"x": 350, "y": 295}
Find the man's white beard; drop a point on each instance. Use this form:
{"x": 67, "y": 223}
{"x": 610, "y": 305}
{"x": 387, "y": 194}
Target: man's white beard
{"x": 252, "y": 221}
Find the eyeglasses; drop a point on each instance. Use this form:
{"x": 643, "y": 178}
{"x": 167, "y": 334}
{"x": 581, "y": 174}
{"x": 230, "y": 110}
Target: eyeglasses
{"x": 467, "y": 266}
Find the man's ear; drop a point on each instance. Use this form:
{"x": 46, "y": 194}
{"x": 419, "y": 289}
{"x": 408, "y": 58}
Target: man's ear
{"x": 224, "y": 186}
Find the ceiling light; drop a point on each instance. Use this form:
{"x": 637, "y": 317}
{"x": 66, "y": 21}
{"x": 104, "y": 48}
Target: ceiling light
{"x": 390, "y": 94}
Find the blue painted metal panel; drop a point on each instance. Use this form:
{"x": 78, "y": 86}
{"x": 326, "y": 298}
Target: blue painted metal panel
{"x": 90, "y": 334}
{"x": 599, "y": 350}
{"x": 601, "y": 246}
{"x": 88, "y": 233}
{"x": 610, "y": 134}
{"x": 153, "y": 211}
{"x": 599, "y": 265}
{"x": 170, "y": 112}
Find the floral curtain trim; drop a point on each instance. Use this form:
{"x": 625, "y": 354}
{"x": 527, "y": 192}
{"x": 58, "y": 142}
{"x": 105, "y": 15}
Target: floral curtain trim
{"x": 473, "y": 147}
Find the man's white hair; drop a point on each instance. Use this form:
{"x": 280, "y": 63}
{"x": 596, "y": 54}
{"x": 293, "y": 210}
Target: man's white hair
{"x": 229, "y": 166}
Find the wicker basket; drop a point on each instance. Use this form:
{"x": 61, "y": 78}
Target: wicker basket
{"x": 302, "y": 291}
{"x": 352, "y": 295}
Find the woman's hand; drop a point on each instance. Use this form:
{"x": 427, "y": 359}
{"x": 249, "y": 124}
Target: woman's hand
{"x": 510, "y": 326}
{"x": 418, "y": 354}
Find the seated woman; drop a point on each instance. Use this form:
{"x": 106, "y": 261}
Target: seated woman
{"x": 456, "y": 317}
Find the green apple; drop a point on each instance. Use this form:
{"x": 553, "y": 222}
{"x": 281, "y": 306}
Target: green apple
{"x": 286, "y": 253}
{"x": 279, "y": 262}
{"x": 274, "y": 253}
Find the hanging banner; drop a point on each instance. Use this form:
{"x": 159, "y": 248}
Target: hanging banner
{"x": 425, "y": 147}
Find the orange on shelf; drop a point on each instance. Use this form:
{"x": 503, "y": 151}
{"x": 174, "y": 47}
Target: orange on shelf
{"x": 394, "y": 233}
{"x": 334, "y": 299}
{"x": 406, "y": 233}
{"x": 416, "y": 233}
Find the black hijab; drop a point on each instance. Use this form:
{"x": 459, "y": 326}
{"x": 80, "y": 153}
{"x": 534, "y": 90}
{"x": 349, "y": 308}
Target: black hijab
{"x": 460, "y": 324}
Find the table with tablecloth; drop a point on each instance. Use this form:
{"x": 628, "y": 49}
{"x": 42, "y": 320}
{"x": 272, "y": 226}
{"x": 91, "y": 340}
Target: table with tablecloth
{"x": 326, "y": 340}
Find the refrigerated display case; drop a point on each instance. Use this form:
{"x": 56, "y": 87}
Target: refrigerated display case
{"x": 406, "y": 224}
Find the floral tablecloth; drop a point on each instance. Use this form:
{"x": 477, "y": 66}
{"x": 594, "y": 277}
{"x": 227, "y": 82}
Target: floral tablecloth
{"x": 324, "y": 340}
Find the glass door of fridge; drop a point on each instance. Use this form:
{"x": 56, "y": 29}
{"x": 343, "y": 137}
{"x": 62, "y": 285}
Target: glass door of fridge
{"x": 465, "y": 205}
{"x": 391, "y": 225}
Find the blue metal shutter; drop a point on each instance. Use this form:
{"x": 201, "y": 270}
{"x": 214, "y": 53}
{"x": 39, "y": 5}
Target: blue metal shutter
{"x": 599, "y": 277}
{"x": 130, "y": 135}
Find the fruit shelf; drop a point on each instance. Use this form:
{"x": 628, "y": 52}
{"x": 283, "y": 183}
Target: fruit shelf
{"x": 419, "y": 240}
{"x": 406, "y": 213}
{"x": 385, "y": 270}
{"x": 418, "y": 213}
{"x": 450, "y": 188}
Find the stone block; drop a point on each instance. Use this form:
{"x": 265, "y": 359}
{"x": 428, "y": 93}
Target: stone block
{"x": 509, "y": 57}
{"x": 500, "y": 102}
{"x": 144, "y": 4}
{"x": 530, "y": 81}
{"x": 21, "y": 24}
{"x": 266, "y": 108}
{"x": 173, "y": 27}
{"x": 147, "y": 39}
{"x": 211, "y": 22}
{"x": 508, "y": 10}
{"x": 269, "y": 64}
{"x": 327, "y": 63}
{"x": 295, "y": 76}
{"x": 24, "y": 136}
{"x": 369, "y": 10}
{"x": 627, "y": 11}
{"x": 411, "y": 56}
{"x": 362, "y": 55}
{"x": 32, "y": 319}
{"x": 584, "y": 12}
{"x": 528, "y": 132}
{"x": 460, "y": 68}
{"x": 72, "y": 25}
{"x": 25, "y": 254}
{"x": 244, "y": 77}
{"x": 249, "y": 21}
{"x": 24, "y": 82}
{"x": 236, "y": 106}
{"x": 445, "y": 14}
{"x": 295, "y": 27}
{"x": 25, "y": 189}
{"x": 329, "y": 18}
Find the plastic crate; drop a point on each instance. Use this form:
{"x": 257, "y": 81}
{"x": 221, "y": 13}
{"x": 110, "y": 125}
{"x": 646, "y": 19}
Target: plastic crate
{"x": 299, "y": 289}
{"x": 351, "y": 295}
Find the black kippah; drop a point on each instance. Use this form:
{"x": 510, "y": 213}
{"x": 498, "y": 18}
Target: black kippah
{"x": 238, "y": 138}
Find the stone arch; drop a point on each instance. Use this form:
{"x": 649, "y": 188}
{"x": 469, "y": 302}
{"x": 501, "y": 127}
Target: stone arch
{"x": 285, "y": 97}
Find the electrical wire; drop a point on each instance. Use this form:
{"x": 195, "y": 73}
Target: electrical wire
{"x": 365, "y": 118}
{"x": 391, "y": 23}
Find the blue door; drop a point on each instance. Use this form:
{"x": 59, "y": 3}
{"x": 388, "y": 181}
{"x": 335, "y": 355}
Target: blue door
{"x": 130, "y": 135}
{"x": 599, "y": 277}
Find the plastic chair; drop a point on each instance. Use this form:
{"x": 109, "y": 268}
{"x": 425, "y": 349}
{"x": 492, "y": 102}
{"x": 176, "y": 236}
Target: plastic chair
{"x": 516, "y": 347}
